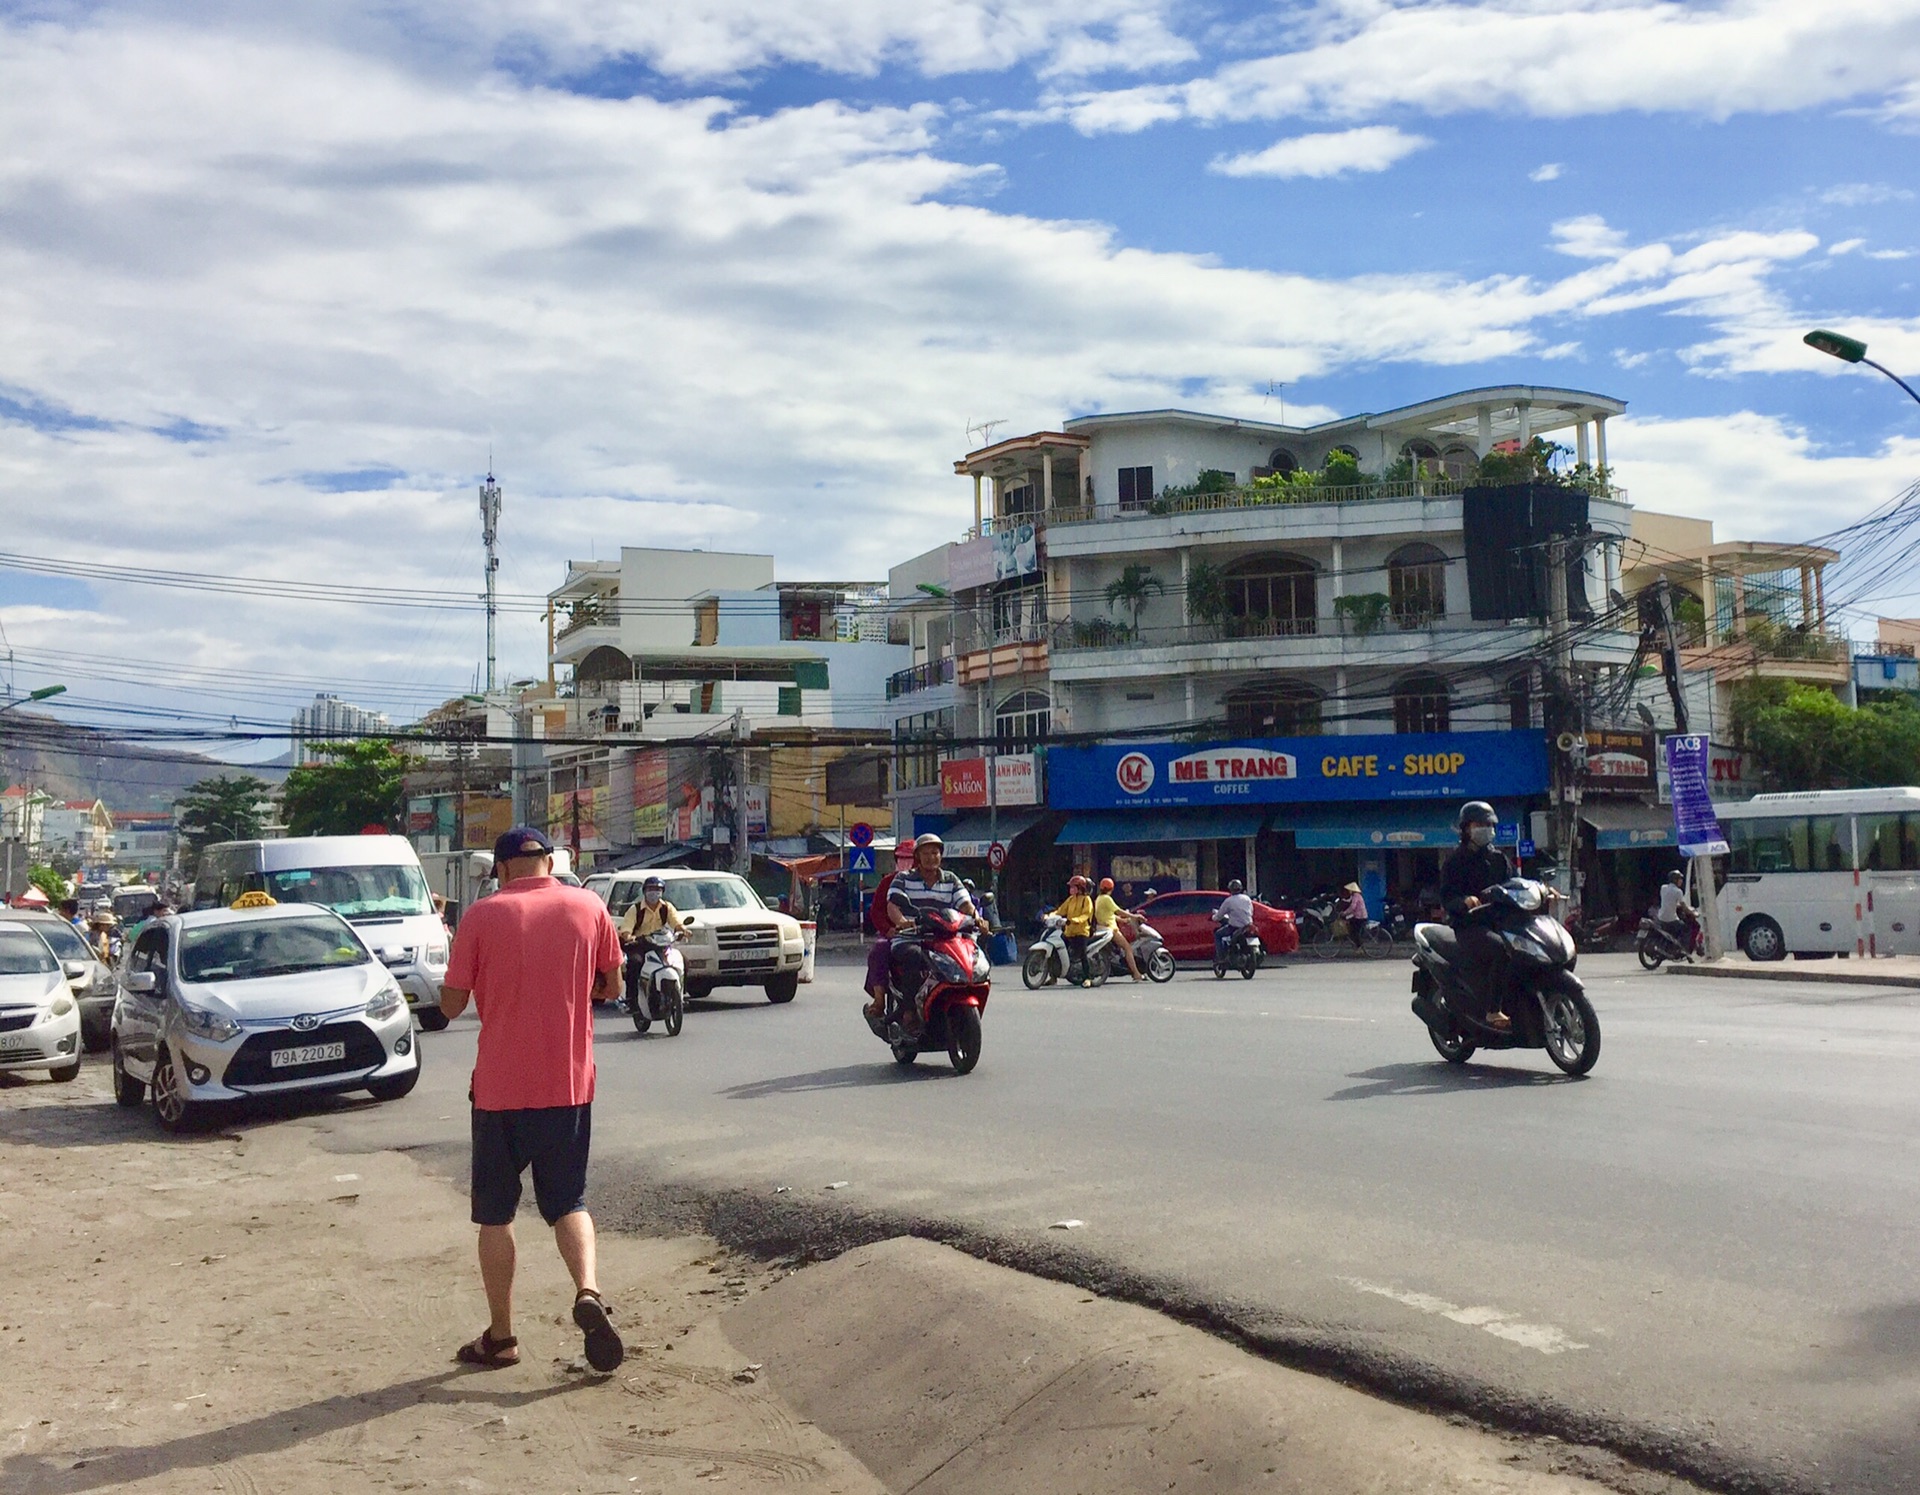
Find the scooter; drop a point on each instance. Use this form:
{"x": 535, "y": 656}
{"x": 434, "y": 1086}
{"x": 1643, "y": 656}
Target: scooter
{"x": 1048, "y": 959}
{"x": 1152, "y": 953}
{"x": 1656, "y": 943}
{"x": 1542, "y": 998}
{"x": 1243, "y": 953}
{"x": 662, "y": 995}
{"x": 946, "y": 1011}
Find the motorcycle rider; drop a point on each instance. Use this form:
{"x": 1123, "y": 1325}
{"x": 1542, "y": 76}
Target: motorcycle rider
{"x": 1077, "y": 910}
{"x": 1234, "y": 915}
{"x": 1471, "y": 867}
{"x": 882, "y": 922}
{"x": 926, "y": 886}
{"x": 1354, "y": 911}
{"x": 1676, "y": 915}
{"x": 1107, "y": 914}
{"x": 641, "y": 920}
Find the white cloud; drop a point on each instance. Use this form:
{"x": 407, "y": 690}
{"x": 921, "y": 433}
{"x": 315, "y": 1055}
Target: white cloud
{"x": 1864, "y": 194}
{"x": 1546, "y": 172}
{"x": 1889, "y": 254}
{"x": 1845, "y": 246}
{"x": 1368, "y": 148}
{"x": 1359, "y": 58}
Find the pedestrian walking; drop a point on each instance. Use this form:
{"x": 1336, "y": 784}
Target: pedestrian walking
{"x": 533, "y": 959}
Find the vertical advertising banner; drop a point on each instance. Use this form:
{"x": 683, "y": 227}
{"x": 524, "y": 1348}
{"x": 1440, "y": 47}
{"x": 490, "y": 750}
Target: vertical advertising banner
{"x": 1689, "y": 771}
{"x": 650, "y": 795}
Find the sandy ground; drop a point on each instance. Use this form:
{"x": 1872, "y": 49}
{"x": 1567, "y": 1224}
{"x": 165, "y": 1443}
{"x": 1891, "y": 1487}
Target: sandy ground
{"x": 244, "y": 1312}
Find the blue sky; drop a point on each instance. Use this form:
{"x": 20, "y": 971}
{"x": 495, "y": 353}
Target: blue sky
{"x": 739, "y": 273}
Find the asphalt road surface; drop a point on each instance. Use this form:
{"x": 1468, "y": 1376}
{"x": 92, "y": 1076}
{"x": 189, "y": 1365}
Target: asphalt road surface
{"x": 1703, "y": 1252}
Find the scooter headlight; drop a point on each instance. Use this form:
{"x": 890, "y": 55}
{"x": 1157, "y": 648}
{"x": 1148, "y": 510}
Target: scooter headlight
{"x": 949, "y": 969}
{"x": 981, "y": 968}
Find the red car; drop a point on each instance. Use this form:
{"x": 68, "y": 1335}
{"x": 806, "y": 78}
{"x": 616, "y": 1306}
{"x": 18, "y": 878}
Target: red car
{"x": 1185, "y": 922}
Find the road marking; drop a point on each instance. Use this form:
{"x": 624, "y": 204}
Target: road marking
{"x": 1495, "y": 1321}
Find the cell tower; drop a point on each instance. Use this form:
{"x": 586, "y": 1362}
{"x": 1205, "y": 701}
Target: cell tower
{"x": 490, "y": 537}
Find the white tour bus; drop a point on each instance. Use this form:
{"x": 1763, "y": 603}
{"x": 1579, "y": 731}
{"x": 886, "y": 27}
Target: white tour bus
{"x": 1828, "y": 872}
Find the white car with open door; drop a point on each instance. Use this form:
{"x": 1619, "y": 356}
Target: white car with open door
{"x": 224, "y": 1004}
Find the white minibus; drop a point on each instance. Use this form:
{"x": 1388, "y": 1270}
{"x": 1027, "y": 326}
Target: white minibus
{"x": 1825, "y": 872}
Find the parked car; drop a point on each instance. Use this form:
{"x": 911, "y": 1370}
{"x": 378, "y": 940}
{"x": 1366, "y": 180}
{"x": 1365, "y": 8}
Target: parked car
{"x": 1185, "y": 922}
{"x": 736, "y": 940}
{"x": 373, "y": 882}
{"x": 221, "y": 1004}
{"x": 90, "y": 980}
{"x": 39, "y": 1019}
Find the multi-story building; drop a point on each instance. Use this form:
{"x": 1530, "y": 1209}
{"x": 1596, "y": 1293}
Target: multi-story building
{"x": 1170, "y": 576}
{"x": 143, "y": 842}
{"x": 1889, "y": 662}
{"x": 680, "y": 661}
{"x": 82, "y": 828}
{"x": 330, "y": 719}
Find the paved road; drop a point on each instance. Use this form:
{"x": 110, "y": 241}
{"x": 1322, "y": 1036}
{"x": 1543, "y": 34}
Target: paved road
{"x": 1709, "y": 1244}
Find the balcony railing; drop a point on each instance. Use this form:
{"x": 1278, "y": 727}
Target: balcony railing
{"x": 1290, "y": 496}
{"x": 1083, "y": 634}
{"x": 920, "y": 677}
{"x": 1770, "y": 642}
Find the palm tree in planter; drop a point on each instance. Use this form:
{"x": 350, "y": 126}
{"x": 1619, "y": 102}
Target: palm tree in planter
{"x": 1132, "y": 589}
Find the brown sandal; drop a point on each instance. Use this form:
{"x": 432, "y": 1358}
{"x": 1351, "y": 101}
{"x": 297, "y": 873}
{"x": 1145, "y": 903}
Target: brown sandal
{"x": 603, "y": 1346}
{"x": 489, "y": 1353}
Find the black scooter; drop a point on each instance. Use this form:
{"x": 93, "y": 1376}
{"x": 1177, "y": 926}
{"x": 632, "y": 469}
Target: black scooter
{"x": 1541, "y": 996}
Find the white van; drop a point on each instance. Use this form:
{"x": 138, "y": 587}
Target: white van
{"x": 375, "y": 883}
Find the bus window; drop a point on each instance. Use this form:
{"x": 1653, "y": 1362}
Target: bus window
{"x": 1827, "y": 848}
{"x": 1890, "y": 843}
{"x": 1768, "y": 846}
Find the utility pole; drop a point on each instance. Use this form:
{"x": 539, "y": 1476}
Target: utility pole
{"x": 742, "y": 853}
{"x": 1566, "y": 830}
{"x": 490, "y": 537}
{"x": 1658, "y": 616}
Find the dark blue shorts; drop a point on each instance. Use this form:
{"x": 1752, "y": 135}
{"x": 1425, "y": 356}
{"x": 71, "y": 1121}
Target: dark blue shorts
{"x": 552, "y": 1141}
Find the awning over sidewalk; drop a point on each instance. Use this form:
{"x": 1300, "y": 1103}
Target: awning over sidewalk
{"x": 1628, "y": 825}
{"x": 1391, "y": 825}
{"x": 971, "y": 835}
{"x": 1125, "y": 827}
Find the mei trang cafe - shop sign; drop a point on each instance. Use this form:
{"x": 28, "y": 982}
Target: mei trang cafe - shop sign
{"x": 1282, "y": 770}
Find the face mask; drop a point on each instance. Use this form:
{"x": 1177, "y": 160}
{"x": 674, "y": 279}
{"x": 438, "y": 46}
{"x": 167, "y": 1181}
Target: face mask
{"x": 1481, "y": 835}
{"x": 652, "y": 899}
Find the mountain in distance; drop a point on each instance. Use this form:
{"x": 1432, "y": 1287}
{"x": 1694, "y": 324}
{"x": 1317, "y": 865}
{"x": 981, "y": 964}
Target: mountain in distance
{"x": 83, "y": 763}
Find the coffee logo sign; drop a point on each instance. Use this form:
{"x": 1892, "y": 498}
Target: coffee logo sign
{"x": 1135, "y": 773}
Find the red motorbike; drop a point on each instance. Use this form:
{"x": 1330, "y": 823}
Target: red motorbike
{"x": 952, "y": 988}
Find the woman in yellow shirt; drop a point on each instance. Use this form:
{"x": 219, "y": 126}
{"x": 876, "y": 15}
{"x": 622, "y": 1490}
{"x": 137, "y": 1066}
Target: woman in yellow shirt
{"x": 1078, "y": 913}
{"x": 1107, "y": 914}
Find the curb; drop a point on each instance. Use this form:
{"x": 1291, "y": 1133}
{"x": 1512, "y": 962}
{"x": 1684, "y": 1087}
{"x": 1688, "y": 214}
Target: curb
{"x": 1799, "y": 972}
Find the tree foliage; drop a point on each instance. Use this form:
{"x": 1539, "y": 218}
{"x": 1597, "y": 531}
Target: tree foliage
{"x": 49, "y": 882}
{"x": 1807, "y": 738}
{"x": 359, "y": 784}
{"x": 1135, "y": 586}
{"x": 225, "y": 807}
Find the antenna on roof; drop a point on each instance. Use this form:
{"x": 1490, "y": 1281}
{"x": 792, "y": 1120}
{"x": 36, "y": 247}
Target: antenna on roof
{"x": 1281, "y": 388}
{"x": 984, "y": 430}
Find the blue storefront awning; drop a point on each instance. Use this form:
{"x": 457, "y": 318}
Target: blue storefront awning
{"x": 1407, "y": 825}
{"x": 1142, "y": 826}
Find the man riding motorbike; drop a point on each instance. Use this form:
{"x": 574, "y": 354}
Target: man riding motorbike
{"x": 1676, "y": 915}
{"x": 923, "y": 888}
{"x": 1470, "y": 868}
{"x": 641, "y": 920}
{"x": 1233, "y": 915}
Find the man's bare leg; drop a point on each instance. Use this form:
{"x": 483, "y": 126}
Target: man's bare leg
{"x": 497, "y": 1257}
{"x": 573, "y": 1234}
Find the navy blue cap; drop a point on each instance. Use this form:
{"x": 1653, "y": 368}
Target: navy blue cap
{"x": 522, "y": 841}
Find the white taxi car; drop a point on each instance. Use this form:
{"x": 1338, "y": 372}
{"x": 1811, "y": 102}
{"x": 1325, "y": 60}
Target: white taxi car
{"x": 39, "y": 1018}
{"x": 259, "y": 999}
{"x": 735, "y": 939}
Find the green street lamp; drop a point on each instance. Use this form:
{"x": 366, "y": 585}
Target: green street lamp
{"x": 45, "y": 692}
{"x": 1852, "y": 350}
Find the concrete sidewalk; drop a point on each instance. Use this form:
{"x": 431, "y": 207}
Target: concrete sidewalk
{"x": 1883, "y": 970}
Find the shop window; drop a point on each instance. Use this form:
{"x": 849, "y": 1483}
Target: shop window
{"x": 1022, "y": 720}
{"x": 1272, "y": 595}
{"x": 1281, "y": 708}
{"x": 1136, "y": 487}
{"x": 1417, "y": 585}
{"x": 1422, "y": 703}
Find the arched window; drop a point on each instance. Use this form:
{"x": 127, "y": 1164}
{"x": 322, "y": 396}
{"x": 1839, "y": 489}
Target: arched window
{"x": 1417, "y": 585}
{"x": 1022, "y": 720}
{"x": 1520, "y": 703}
{"x": 1459, "y": 461}
{"x": 603, "y": 664}
{"x": 1422, "y": 703}
{"x": 1272, "y": 594}
{"x": 1274, "y": 708}
{"x": 1424, "y": 456}
{"x": 1283, "y": 461}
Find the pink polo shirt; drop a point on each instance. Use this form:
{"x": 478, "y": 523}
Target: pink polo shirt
{"x": 529, "y": 955}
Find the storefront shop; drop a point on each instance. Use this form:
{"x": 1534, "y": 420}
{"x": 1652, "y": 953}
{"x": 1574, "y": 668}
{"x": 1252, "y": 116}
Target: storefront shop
{"x": 1288, "y": 815}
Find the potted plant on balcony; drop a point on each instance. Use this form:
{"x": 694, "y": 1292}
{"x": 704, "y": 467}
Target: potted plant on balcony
{"x": 1208, "y": 601}
{"x": 1133, "y": 588}
{"x": 1364, "y": 611}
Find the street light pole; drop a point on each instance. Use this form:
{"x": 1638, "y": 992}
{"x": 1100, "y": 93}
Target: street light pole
{"x": 1852, "y": 350}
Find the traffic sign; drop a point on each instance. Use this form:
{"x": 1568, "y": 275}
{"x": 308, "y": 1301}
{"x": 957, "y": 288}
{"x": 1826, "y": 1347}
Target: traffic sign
{"x": 860, "y": 833}
{"x": 1527, "y": 849}
{"x": 860, "y": 859}
{"x": 997, "y": 855}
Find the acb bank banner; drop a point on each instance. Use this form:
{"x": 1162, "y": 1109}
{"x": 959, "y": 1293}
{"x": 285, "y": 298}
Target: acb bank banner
{"x": 1288, "y": 770}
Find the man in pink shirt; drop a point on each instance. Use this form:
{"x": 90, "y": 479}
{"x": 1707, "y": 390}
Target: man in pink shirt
{"x": 533, "y": 958}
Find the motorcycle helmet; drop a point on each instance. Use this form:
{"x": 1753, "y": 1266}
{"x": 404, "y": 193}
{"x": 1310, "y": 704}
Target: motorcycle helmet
{"x": 1476, "y": 812}
{"x": 1077, "y": 884}
{"x": 928, "y": 838}
{"x": 1236, "y": 886}
{"x": 653, "y": 885}
{"x": 1106, "y": 884}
